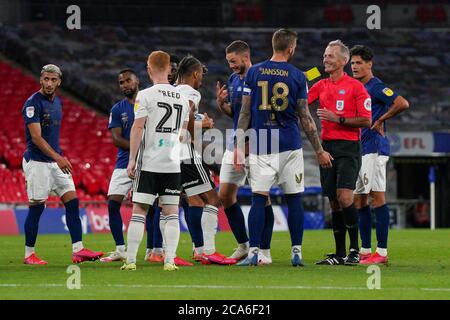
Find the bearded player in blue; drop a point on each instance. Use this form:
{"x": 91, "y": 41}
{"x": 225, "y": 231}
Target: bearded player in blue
{"x": 229, "y": 99}
{"x": 375, "y": 146}
{"x": 275, "y": 98}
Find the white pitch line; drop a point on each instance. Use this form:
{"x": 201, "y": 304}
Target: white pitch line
{"x": 189, "y": 286}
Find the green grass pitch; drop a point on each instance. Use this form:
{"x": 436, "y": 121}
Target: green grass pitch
{"x": 419, "y": 269}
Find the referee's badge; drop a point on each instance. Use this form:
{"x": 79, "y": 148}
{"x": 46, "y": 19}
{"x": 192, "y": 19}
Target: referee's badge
{"x": 339, "y": 105}
{"x": 30, "y": 112}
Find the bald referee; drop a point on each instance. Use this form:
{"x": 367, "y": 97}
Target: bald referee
{"x": 345, "y": 108}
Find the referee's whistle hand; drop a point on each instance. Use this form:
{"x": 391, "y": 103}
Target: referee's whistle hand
{"x": 325, "y": 159}
{"x": 327, "y": 115}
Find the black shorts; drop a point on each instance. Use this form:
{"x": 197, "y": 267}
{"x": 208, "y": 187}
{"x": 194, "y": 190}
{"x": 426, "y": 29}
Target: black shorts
{"x": 346, "y": 165}
{"x": 147, "y": 186}
{"x": 195, "y": 177}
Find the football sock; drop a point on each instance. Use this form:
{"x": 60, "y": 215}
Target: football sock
{"x": 256, "y": 219}
{"x": 236, "y": 221}
{"x": 252, "y": 251}
{"x": 266, "y": 253}
{"x": 28, "y": 251}
{"x": 73, "y": 220}
{"x": 296, "y": 216}
{"x": 157, "y": 235}
{"x": 115, "y": 222}
{"x": 365, "y": 227}
{"x": 268, "y": 228}
{"x": 170, "y": 228}
{"x": 296, "y": 250}
{"x": 195, "y": 225}
{"x": 149, "y": 226}
{"x": 209, "y": 227}
{"x": 382, "y": 225}
{"x": 134, "y": 236}
{"x": 32, "y": 224}
{"x": 77, "y": 246}
{"x": 382, "y": 252}
{"x": 120, "y": 249}
{"x": 337, "y": 219}
{"x": 351, "y": 223}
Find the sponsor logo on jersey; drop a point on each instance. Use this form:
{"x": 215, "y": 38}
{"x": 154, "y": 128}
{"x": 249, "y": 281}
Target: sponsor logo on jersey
{"x": 388, "y": 92}
{"x": 298, "y": 178}
{"x": 30, "y": 111}
{"x": 368, "y": 104}
{"x": 136, "y": 105}
{"x": 339, "y": 105}
{"x": 342, "y": 91}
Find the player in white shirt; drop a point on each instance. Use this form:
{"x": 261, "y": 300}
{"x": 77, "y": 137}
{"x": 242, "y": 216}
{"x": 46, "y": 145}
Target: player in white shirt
{"x": 196, "y": 181}
{"x": 161, "y": 115}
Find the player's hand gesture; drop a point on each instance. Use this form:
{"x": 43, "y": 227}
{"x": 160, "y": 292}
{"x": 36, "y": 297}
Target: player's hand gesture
{"x": 327, "y": 115}
{"x": 221, "y": 93}
{"x": 207, "y": 122}
{"x": 324, "y": 159}
{"x": 238, "y": 159}
{"x": 131, "y": 169}
{"x": 378, "y": 127}
{"x": 64, "y": 164}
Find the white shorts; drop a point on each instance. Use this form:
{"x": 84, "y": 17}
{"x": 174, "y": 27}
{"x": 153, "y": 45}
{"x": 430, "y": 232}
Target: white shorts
{"x": 120, "y": 183}
{"x": 228, "y": 173}
{"x": 372, "y": 175}
{"x": 42, "y": 178}
{"x": 285, "y": 169}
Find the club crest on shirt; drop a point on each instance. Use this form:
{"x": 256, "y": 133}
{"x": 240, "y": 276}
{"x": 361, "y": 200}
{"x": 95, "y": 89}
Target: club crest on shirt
{"x": 339, "y": 105}
{"x": 388, "y": 92}
{"x": 368, "y": 104}
{"x": 136, "y": 105}
{"x": 124, "y": 117}
{"x": 30, "y": 111}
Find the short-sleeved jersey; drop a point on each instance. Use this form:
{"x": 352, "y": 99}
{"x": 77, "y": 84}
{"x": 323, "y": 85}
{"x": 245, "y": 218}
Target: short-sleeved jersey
{"x": 235, "y": 86}
{"x": 382, "y": 99}
{"x": 193, "y": 95}
{"x": 39, "y": 109}
{"x": 166, "y": 110}
{"x": 347, "y": 98}
{"x": 122, "y": 116}
{"x": 274, "y": 88}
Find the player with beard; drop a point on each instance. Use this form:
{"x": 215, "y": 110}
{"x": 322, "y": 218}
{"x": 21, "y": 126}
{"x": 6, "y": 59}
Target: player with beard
{"x": 229, "y": 98}
{"x": 274, "y": 102}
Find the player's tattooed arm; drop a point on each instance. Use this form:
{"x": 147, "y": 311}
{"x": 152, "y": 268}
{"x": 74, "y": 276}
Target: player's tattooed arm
{"x": 244, "y": 115}
{"x": 310, "y": 128}
{"x": 308, "y": 124}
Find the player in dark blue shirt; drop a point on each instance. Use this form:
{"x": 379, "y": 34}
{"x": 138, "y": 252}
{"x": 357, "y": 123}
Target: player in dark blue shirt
{"x": 229, "y": 98}
{"x": 120, "y": 122}
{"x": 275, "y": 99}
{"x": 372, "y": 177}
{"x": 46, "y": 170}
